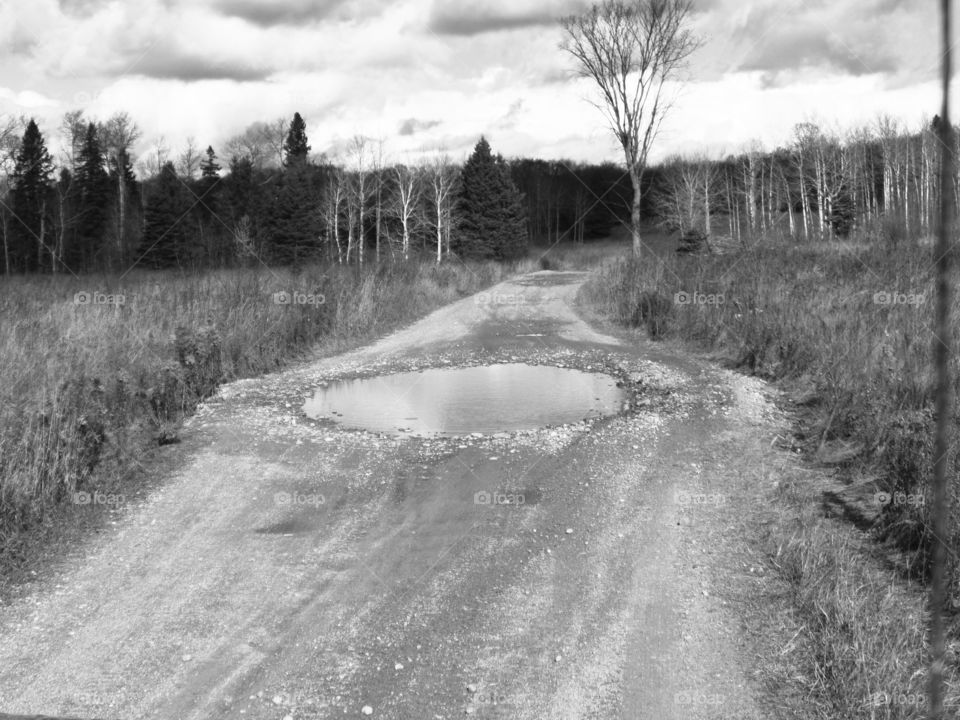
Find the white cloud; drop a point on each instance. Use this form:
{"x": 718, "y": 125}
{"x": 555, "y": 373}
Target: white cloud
{"x": 369, "y": 66}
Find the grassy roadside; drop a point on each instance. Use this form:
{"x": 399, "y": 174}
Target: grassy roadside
{"x": 844, "y": 329}
{"x": 96, "y": 371}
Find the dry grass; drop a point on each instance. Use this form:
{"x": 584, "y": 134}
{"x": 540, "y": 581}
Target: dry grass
{"x": 852, "y": 635}
{"x": 86, "y": 386}
{"x": 815, "y": 317}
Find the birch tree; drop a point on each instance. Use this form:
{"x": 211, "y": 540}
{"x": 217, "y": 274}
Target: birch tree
{"x": 118, "y": 134}
{"x": 442, "y": 176}
{"x": 630, "y": 49}
{"x": 361, "y": 161}
{"x": 407, "y": 201}
{"x": 378, "y": 164}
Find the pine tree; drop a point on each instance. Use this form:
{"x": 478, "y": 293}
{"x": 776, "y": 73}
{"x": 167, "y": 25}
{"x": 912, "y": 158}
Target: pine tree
{"x": 33, "y": 167}
{"x": 492, "y": 220}
{"x": 209, "y": 168}
{"x": 214, "y": 235}
{"x": 164, "y": 242}
{"x": 94, "y": 191}
{"x": 295, "y": 147}
{"x": 292, "y": 228}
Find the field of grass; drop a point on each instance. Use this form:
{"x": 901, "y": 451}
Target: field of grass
{"x": 845, "y": 329}
{"x": 96, "y": 370}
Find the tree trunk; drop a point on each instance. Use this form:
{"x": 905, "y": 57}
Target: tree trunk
{"x": 906, "y": 187}
{"x": 804, "y": 201}
{"x": 350, "y": 222}
{"x": 439, "y": 226}
{"x": 379, "y": 204}
{"x": 40, "y": 244}
{"x": 6, "y": 243}
{"x": 361, "y": 240}
{"x": 706, "y": 200}
{"x": 121, "y": 196}
{"x": 635, "y": 178}
{"x": 786, "y": 187}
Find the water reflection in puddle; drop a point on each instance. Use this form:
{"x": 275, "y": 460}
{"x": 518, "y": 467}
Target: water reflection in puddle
{"x": 459, "y": 401}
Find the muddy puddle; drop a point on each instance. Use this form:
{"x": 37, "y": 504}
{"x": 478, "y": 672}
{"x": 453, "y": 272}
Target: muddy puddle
{"x": 460, "y": 401}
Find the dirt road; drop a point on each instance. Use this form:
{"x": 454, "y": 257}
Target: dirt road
{"x": 384, "y": 589}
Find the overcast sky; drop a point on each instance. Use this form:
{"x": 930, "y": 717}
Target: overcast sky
{"x": 426, "y": 74}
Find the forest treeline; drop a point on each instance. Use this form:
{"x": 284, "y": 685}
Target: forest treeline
{"x": 273, "y": 201}
{"x": 880, "y": 177}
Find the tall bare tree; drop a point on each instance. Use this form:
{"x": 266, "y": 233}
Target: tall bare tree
{"x": 73, "y": 130}
{"x": 261, "y": 142}
{"x": 188, "y": 162}
{"x": 334, "y": 193}
{"x": 361, "y": 161}
{"x": 406, "y": 205}
{"x": 9, "y": 144}
{"x": 379, "y": 165}
{"x": 119, "y": 133}
{"x": 274, "y": 136}
{"x": 630, "y": 49}
{"x": 153, "y": 163}
{"x": 442, "y": 176}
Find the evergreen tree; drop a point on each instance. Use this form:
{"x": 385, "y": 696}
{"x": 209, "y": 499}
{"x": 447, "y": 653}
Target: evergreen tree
{"x": 295, "y": 147}
{"x": 209, "y": 169}
{"x": 492, "y": 219}
{"x": 292, "y": 228}
{"x": 33, "y": 167}
{"x": 214, "y": 233}
{"x": 164, "y": 241}
{"x": 94, "y": 191}
{"x": 240, "y": 188}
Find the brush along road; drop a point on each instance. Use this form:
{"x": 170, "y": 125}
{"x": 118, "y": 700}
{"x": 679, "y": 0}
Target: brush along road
{"x": 289, "y": 568}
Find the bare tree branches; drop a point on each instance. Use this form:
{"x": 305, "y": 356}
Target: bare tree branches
{"x": 261, "y": 143}
{"x": 630, "y": 50}
{"x": 407, "y": 198}
{"x": 188, "y": 162}
{"x": 442, "y": 178}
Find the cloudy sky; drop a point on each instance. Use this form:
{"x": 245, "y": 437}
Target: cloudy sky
{"x": 428, "y": 74}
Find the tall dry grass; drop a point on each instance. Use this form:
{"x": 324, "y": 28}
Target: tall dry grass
{"x": 92, "y": 369}
{"x": 846, "y": 327}
{"x": 851, "y": 320}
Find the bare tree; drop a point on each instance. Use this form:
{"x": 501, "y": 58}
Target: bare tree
{"x": 10, "y": 135}
{"x": 274, "y": 135}
{"x": 188, "y": 163}
{"x": 378, "y": 166}
{"x": 361, "y": 162}
{"x": 442, "y": 177}
{"x": 258, "y": 143}
{"x": 118, "y": 135}
{"x": 806, "y": 139}
{"x": 335, "y": 192}
{"x": 407, "y": 201}
{"x": 73, "y": 129}
{"x": 630, "y": 49}
{"x": 153, "y": 163}
{"x": 687, "y": 200}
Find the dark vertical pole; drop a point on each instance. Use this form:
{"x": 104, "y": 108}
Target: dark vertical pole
{"x": 941, "y": 353}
